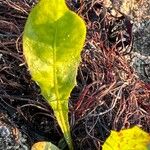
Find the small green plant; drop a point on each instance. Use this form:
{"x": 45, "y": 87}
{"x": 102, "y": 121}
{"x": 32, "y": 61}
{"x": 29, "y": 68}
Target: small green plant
{"x": 52, "y": 42}
{"x": 128, "y": 139}
{"x": 44, "y": 146}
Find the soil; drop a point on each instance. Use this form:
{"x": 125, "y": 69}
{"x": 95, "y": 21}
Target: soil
{"x": 109, "y": 95}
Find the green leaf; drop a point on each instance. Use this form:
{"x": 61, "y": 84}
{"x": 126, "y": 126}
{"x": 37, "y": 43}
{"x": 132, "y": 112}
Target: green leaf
{"x": 52, "y": 42}
{"x": 128, "y": 139}
{"x": 44, "y": 146}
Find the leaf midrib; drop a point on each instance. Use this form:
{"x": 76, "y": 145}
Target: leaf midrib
{"x": 54, "y": 65}
{"x": 59, "y": 112}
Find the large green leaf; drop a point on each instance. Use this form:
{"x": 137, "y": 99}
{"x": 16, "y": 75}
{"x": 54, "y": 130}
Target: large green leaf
{"x": 128, "y": 139}
{"x": 52, "y": 42}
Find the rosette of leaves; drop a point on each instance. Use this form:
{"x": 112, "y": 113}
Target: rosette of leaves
{"x": 52, "y": 42}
